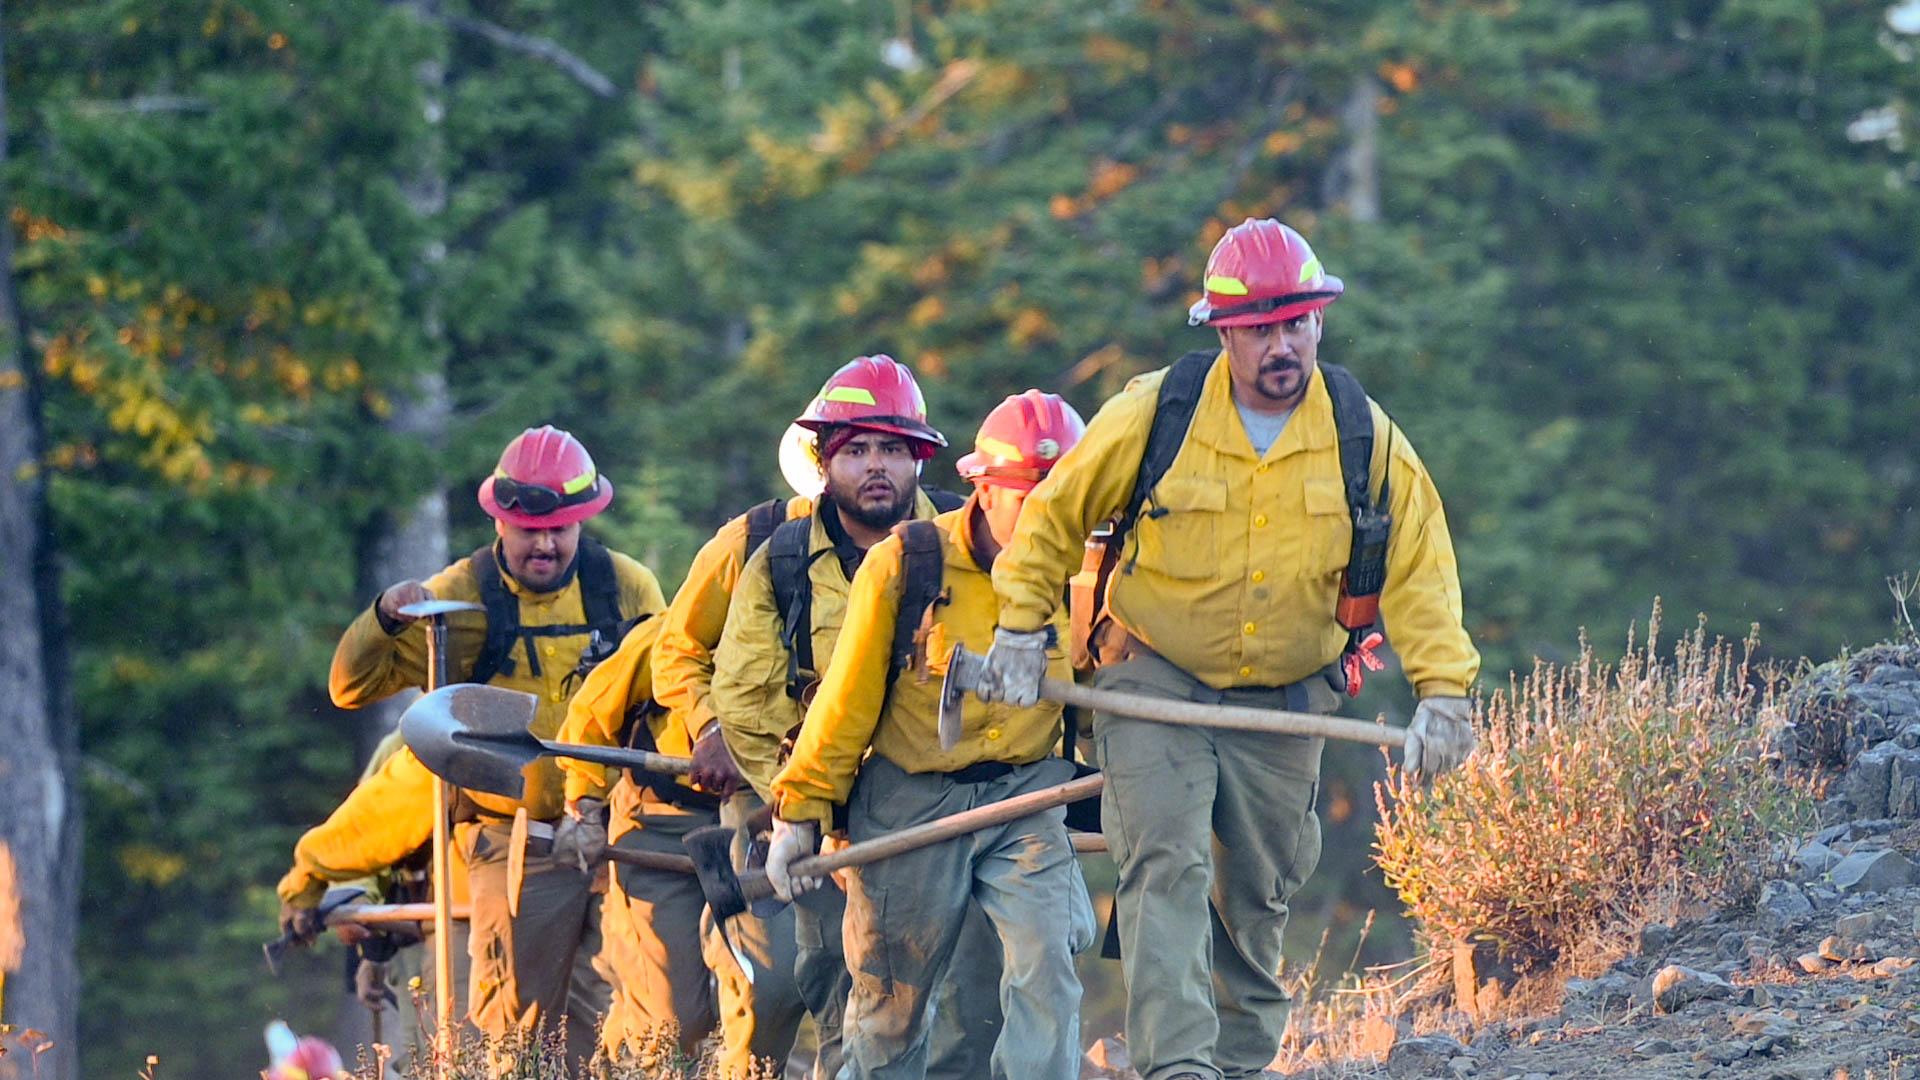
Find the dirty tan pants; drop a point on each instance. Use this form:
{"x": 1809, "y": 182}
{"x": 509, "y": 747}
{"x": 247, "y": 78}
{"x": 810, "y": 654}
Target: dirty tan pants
{"x": 1213, "y": 831}
{"x": 652, "y": 929}
{"x": 542, "y": 964}
{"x": 905, "y": 917}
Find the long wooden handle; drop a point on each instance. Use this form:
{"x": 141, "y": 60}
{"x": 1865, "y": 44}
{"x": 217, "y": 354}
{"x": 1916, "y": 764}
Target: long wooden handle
{"x": 755, "y": 886}
{"x": 383, "y": 914}
{"x": 621, "y": 757}
{"x": 1232, "y": 717}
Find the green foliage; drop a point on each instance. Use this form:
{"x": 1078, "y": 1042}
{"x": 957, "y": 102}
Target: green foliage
{"x": 1638, "y": 296}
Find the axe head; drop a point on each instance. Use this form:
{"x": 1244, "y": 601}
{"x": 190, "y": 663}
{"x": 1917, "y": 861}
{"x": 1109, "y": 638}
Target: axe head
{"x": 427, "y": 609}
{"x": 711, "y": 849}
{"x": 474, "y": 736}
{"x": 963, "y": 673}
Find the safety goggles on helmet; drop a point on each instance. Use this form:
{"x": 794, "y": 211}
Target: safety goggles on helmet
{"x": 1201, "y": 313}
{"x": 538, "y": 499}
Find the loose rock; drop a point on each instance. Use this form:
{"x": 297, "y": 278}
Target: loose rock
{"x": 1781, "y": 904}
{"x": 1675, "y": 986}
{"x": 1873, "y": 871}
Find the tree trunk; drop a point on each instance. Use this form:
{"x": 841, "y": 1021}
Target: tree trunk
{"x": 39, "y": 807}
{"x": 1352, "y": 182}
{"x": 396, "y": 546}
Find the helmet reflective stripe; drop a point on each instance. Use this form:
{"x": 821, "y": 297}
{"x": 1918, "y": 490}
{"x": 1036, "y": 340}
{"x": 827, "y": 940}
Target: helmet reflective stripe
{"x": 1228, "y": 286}
{"x": 579, "y": 483}
{"x": 1309, "y": 270}
{"x": 852, "y": 395}
{"x": 989, "y": 444}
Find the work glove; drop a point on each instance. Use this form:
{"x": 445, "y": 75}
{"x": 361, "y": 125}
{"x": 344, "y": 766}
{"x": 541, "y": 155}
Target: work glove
{"x": 791, "y": 840}
{"x": 370, "y": 986}
{"x": 1440, "y": 737}
{"x": 713, "y": 767}
{"x": 394, "y": 598}
{"x": 1014, "y": 667}
{"x": 580, "y": 836}
{"x": 301, "y": 925}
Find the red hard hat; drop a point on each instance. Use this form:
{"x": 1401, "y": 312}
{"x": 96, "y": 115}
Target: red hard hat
{"x": 875, "y": 393}
{"x": 312, "y": 1059}
{"x": 1020, "y": 440}
{"x": 545, "y": 479}
{"x": 1262, "y": 272}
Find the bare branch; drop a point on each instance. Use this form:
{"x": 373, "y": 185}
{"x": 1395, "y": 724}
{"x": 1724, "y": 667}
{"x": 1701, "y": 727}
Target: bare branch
{"x": 539, "y": 48}
{"x": 146, "y": 104}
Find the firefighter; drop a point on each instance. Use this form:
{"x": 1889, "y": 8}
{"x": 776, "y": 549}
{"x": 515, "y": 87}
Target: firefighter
{"x": 650, "y": 921}
{"x": 758, "y": 1019}
{"x": 930, "y": 584}
{"x": 392, "y": 865}
{"x": 555, "y": 601}
{"x": 870, "y": 439}
{"x": 1267, "y": 512}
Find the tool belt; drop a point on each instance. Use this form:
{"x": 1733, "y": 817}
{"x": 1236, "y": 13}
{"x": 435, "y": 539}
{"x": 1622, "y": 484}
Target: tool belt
{"x": 980, "y": 772}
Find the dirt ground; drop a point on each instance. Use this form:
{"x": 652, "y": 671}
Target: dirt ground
{"x": 1817, "y": 980}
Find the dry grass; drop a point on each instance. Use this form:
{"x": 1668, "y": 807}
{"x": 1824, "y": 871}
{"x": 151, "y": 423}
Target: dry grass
{"x": 1602, "y": 795}
{"x": 523, "y": 1057}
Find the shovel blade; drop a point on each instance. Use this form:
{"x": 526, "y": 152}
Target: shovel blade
{"x": 963, "y": 672}
{"x": 427, "y": 609}
{"x": 474, "y": 736}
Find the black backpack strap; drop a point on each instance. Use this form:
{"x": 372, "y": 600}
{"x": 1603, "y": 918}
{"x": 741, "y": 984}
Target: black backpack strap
{"x": 1172, "y": 416}
{"x": 789, "y": 563}
{"x": 600, "y": 590}
{"x": 1358, "y": 608}
{"x": 944, "y": 501}
{"x": 762, "y": 519}
{"x": 503, "y": 619}
{"x": 923, "y": 570}
{"x": 1353, "y": 421}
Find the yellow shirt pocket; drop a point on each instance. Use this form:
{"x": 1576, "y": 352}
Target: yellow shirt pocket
{"x": 1178, "y": 533}
{"x": 1329, "y": 533}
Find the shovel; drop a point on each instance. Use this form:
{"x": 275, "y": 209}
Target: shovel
{"x": 475, "y": 736}
{"x": 435, "y": 613}
{"x": 963, "y": 674}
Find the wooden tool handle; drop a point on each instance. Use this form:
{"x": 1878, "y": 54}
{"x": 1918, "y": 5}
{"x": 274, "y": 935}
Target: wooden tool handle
{"x": 621, "y": 757}
{"x": 755, "y": 886}
{"x": 382, "y": 914}
{"x": 1232, "y": 717}
{"x": 651, "y": 860}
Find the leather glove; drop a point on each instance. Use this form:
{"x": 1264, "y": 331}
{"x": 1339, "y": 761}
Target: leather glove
{"x": 580, "y": 836}
{"x": 370, "y": 986}
{"x": 301, "y": 925}
{"x": 1014, "y": 667}
{"x": 791, "y": 840}
{"x": 713, "y": 767}
{"x": 1440, "y": 737}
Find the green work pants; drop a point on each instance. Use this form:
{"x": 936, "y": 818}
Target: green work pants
{"x": 1213, "y": 831}
{"x": 652, "y": 929}
{"x": 905, "y": 916}
{"x": 531, "y": 968}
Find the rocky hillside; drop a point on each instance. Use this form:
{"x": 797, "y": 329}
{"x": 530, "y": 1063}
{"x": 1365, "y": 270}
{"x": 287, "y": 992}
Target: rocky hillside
{"x": 1817, "y": 978}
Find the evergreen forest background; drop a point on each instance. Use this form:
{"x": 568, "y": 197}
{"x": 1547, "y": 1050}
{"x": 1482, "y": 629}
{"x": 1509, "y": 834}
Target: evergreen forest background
{"x": 1638, "y": 277}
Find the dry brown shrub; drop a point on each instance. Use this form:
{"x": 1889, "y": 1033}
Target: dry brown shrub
{"x": 1599, "y": 795}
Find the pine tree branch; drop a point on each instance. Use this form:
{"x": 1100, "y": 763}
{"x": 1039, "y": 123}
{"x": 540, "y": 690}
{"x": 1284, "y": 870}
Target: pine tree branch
{"x": 537, "y": 47}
